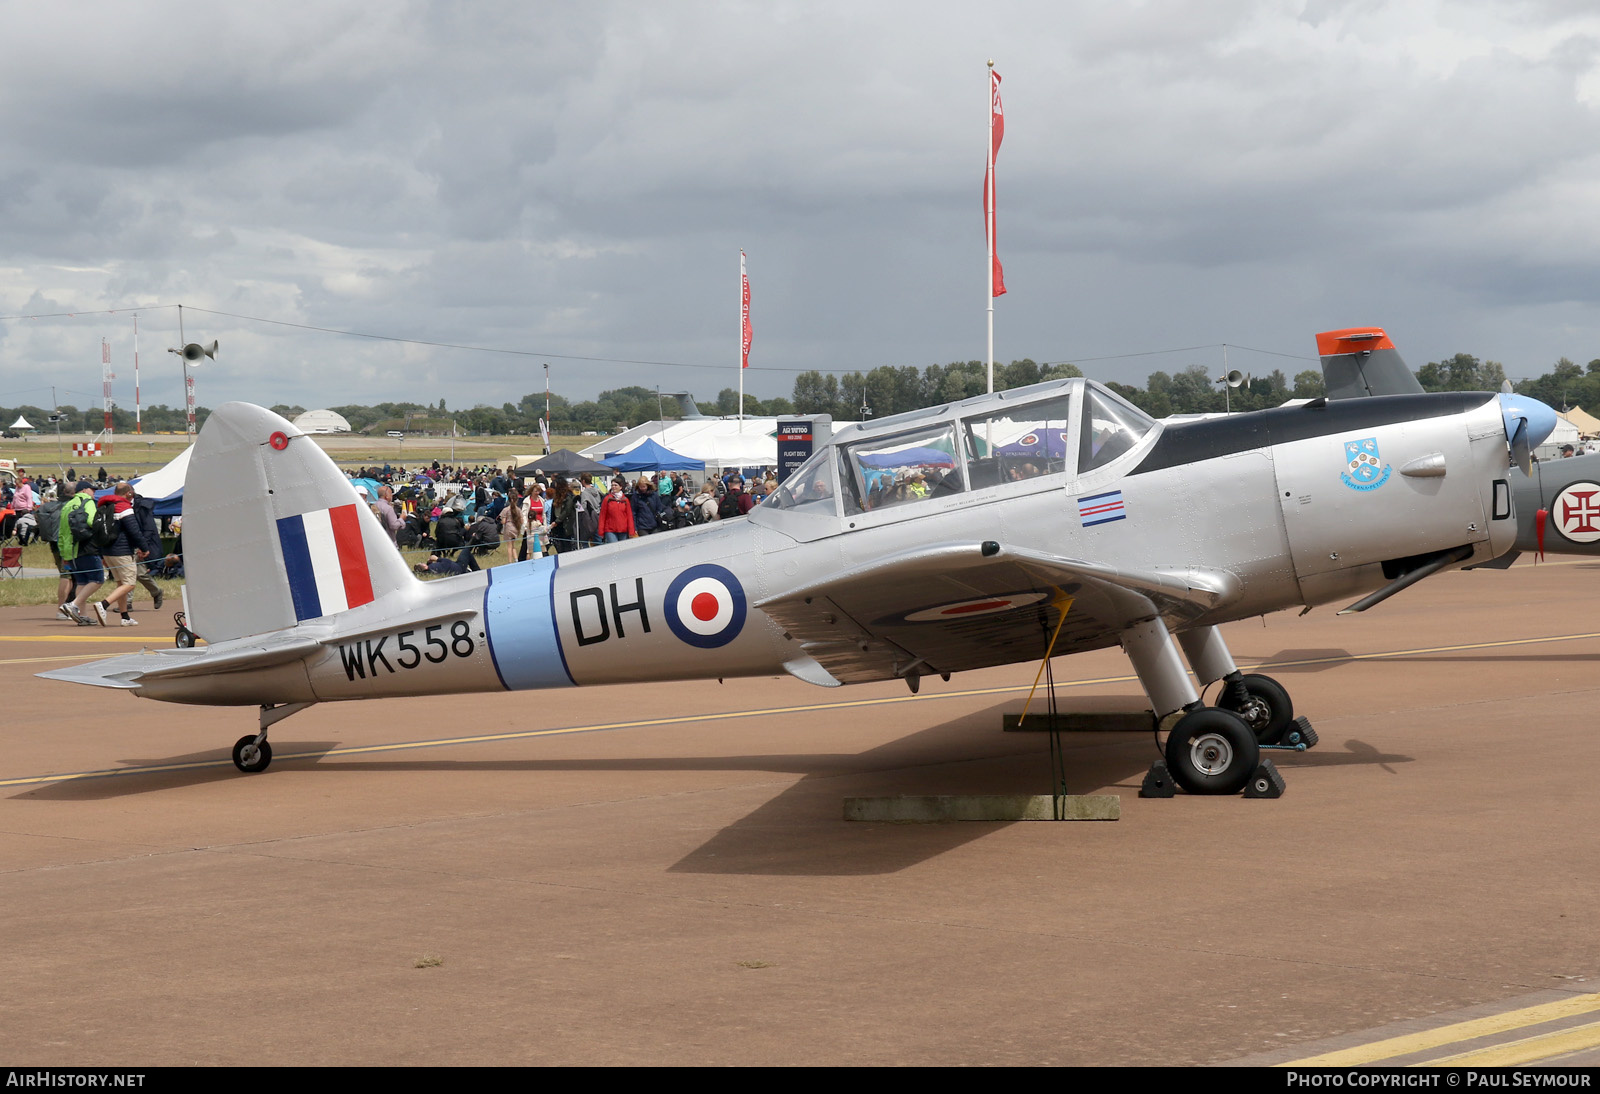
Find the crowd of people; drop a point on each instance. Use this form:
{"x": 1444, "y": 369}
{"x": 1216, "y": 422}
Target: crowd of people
{"x": 462, "y": 514}
{"x": 458, "y": 515}
{"x": 92, "y": 526}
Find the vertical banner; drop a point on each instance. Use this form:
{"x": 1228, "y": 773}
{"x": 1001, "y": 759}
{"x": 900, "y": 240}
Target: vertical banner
{"x": 188, "y": 383}
{"x": 997, "y": 132}
{"x": 744, "y": 317}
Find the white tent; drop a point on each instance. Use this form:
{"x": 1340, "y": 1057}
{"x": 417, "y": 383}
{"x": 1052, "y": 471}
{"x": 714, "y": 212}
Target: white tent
{"x": 1564, "y": 433}
{"x": 166, "y": 481}
{"x": 22, "y": 423}
{"x": 720, "y": 442}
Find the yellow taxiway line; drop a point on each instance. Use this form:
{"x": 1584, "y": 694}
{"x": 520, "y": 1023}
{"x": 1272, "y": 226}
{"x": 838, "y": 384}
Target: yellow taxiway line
{"x": 1584, "y": 1037}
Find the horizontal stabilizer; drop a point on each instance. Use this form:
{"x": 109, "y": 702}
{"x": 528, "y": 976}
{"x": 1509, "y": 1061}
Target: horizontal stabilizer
{"x": 133, "y": 670}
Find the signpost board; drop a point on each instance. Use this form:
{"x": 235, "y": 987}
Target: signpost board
{"x": 798, "y": 438}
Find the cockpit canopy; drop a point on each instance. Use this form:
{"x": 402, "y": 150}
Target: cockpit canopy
{"x": 1061, "y": 428}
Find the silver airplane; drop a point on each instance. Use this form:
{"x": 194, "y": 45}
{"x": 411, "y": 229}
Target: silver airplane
{"x": 1037, "y": 522}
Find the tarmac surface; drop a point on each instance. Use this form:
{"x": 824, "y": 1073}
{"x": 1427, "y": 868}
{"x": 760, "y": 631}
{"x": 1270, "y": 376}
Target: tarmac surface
{"x": 657, "y": 874}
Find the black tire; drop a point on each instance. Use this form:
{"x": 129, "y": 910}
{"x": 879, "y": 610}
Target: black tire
{"x": 1268, "y": 711}
{"x": 184, "y": 639}
{"x": 250, "y": 757}
{"x": 1212, "y": 751}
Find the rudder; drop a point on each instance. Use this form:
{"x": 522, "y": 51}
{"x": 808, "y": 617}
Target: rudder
{"x": 274, "y": 535}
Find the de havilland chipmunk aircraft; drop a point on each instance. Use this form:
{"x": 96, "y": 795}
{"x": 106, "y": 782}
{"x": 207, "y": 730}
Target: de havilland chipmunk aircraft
{"x": 1056, "y": 518}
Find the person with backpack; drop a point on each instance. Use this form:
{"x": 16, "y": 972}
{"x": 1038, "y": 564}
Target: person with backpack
{"x": 144, "y": 511}
{"x": 703, "y": 506}
{"x": 735, "y": 503}
{"x": 49, "y": 517}
{"x": 79, "y": 556}
{"x": 115, "y": 514}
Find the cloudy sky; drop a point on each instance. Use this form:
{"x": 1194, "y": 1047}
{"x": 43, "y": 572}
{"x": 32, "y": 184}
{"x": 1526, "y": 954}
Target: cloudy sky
{"x": 575, "y": 182}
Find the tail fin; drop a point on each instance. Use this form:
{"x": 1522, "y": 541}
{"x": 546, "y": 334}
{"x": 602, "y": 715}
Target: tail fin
{"x": 1361, "y": 361}
{"x": 273, "y": 533}
{"x": 687, "y": 410}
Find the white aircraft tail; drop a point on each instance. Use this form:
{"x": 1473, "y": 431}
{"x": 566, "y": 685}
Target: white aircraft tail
{"x": 274, "y": 535}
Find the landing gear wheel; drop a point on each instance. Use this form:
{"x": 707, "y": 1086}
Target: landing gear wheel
{"x": 1266, "y": 709}
{"x": 1212, "y": 751}
{"x": 250, "y": 757}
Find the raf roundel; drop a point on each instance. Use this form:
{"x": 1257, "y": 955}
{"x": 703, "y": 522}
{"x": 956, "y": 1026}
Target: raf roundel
{"x": 705, "y": 606}
{"x": 279, "y": 441}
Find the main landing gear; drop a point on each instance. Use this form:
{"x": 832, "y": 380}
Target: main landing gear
{"x": 1212, "y": 751}
{"x": 1216, "y": 749}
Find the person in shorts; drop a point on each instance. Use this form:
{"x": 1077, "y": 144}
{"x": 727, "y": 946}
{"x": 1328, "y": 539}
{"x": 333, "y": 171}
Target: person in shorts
{"x": 79, "y": 559}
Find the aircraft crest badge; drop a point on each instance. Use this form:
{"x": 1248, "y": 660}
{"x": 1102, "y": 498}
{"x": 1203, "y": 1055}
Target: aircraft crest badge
{"x": 1577, "y": 512}
{"x": 1364, "y": 470}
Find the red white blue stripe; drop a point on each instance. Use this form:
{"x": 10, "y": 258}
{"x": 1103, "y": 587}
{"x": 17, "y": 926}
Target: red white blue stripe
{"x": 325, "y": 561}
{"x": 1101, "y": 509}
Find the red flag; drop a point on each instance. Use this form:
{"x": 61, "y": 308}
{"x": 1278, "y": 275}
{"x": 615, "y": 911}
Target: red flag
{"x": 744, "y": 315}
{"x": 997, "y": 132}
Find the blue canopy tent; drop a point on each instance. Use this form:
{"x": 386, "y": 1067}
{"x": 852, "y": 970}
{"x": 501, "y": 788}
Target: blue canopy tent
{"x": 908, "y": 457}
{"x": 369, "y": 485}
{"x": 1050, "y": 442}
{"x": 651, "y": 456}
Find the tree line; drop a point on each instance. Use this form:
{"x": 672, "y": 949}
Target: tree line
{"x": 853, "y": 396}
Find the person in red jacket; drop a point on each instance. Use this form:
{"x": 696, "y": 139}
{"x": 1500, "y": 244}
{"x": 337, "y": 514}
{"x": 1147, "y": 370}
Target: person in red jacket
{"x": 616, "y": 515}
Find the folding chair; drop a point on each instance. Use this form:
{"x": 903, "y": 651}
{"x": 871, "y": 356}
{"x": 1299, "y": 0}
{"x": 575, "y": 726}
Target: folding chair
{"x": 10, "y": 562}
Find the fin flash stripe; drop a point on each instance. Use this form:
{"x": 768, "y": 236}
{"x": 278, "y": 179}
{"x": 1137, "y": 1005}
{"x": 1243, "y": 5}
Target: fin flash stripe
{"x": 325, "y": 561}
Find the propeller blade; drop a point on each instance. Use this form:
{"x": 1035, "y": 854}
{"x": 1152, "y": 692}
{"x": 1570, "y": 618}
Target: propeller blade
{"x": 1521, "y": 451}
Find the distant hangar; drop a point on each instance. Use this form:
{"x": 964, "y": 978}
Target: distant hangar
{"x": 321, "y": 421}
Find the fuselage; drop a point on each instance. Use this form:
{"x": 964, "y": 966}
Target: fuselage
{"x": 1301, "y": 505}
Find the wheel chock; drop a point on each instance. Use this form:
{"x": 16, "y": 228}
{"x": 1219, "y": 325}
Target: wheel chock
{"x": 1297, "y": 738}
{"x": 1158, "y": 782}
{"x": 1300, "y": 733}
{"x": 1265, "y": 783}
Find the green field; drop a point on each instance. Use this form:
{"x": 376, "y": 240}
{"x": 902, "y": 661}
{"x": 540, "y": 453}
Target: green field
{"x": 133, "y": 455}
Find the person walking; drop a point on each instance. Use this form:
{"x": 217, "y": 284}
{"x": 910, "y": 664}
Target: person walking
{"x": 79, "y": 556}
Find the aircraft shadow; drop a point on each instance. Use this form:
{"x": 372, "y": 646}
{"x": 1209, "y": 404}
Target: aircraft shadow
{"x": 801, "y": 830}
{"x": 1321, "y": 661}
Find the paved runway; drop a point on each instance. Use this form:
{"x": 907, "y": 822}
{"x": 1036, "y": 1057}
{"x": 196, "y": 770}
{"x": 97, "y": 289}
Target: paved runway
{"x": 661, "y": 874}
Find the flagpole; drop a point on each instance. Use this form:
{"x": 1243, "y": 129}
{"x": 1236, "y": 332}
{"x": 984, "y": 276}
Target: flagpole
{"x": 744, "y": 319}
{"x": 742, "y": 276}
{"x": 988, "y": 185}
{"x": 138, "y": 421}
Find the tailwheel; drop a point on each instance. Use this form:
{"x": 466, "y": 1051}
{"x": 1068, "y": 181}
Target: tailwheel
{"x": 249, "y": 756}
{"x": 1263, "y": 704}
{"x": 1212, "y": 751}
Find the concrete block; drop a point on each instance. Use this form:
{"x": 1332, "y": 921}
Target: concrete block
{"x": 941, "y": 808}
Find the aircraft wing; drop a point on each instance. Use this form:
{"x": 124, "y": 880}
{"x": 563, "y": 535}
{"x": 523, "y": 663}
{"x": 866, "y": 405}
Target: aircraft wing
{"x": 955, "y": 606}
